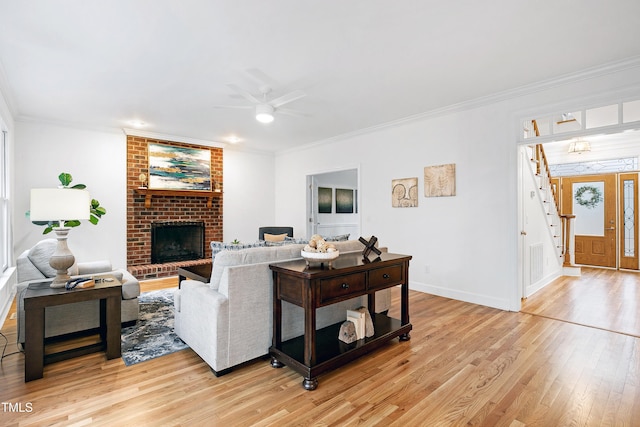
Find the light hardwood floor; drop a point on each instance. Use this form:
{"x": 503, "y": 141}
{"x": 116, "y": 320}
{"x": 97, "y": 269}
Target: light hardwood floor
{"x": 464, "y": 365}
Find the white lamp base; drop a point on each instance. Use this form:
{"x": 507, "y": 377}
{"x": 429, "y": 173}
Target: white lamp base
{"x": 61, "y": 259}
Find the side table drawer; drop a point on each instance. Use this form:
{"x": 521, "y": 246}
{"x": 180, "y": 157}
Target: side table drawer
{"x": 340, "y": 288}
{"x": 383, "y": 277}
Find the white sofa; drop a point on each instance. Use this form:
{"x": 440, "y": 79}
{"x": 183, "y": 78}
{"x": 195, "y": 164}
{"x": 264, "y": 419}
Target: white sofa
{"x": 229, "y": 320}
{"x": 33, "y": 266}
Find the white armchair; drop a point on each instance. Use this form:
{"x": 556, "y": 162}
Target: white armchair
{"x": 33, "y": 266}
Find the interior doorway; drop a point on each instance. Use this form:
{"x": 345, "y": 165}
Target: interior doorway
{"x": 333, "y": 206}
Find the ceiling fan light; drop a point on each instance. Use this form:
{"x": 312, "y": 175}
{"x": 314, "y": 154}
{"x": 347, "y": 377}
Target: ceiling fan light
{"x": 264, "y": 113}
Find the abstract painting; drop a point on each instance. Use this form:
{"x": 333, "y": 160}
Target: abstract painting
{"x": 325, "y": 199}
{"x": 344, "y": 200}
{"x": 404, "y": 193}
{"x": 440, "y": 181}
{"x": 179, "y": 168}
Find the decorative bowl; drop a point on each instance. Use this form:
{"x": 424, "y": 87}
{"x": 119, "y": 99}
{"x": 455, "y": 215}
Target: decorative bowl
{"x": 319, "y": 256}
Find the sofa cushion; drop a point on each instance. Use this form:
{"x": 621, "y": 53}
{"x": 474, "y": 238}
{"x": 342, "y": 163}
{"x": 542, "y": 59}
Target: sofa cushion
{"x": 274, "y": 237}
{"x": 40, "y": 254}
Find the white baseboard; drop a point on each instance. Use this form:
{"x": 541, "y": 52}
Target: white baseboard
{"x": 502, "y": 304}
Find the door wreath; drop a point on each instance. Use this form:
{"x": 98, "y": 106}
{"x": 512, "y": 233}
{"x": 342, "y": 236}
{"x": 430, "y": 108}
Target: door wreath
{"x": 589, "y": 200}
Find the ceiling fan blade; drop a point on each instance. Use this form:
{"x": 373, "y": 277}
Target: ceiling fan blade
{"x": 245, "y": 94}
{"x": 261, "y": 78}
{"x": 289, "y": 97}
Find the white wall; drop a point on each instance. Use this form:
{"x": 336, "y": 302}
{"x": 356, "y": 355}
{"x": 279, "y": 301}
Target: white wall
{"x": 96, "y": 158}
{"x": 464, "y": 247}
{"x": 249, "y": 195}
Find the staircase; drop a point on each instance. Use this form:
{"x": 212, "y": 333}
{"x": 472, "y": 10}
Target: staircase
{"x": 560, "y": 226}
{"x": 548, "y": 197}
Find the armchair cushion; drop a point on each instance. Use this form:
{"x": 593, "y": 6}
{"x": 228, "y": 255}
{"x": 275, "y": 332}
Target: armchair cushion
{"x": 40, "y": 254}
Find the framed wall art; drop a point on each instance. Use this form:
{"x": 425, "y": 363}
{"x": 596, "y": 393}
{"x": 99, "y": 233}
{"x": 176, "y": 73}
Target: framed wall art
{"x": 344, "y": 200}
{"x": 440, "y": 181}
{"x": 173, "y": 167}
{"x": 325, "y": 200}
{"x": 404, "y": 193}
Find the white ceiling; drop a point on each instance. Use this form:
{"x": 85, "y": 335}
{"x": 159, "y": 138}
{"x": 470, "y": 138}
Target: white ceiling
{"x": 362, "y": 63}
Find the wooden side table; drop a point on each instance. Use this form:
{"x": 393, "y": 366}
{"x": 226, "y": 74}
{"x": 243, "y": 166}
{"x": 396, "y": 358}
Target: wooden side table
{"x": 351, "y": 275}
{"x": 40, "y": 295}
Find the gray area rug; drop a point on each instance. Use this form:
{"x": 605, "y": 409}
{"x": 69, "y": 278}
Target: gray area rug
{"x": 153, "y": 335}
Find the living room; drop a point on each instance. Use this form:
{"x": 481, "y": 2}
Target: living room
{"x": 463, "y": 247}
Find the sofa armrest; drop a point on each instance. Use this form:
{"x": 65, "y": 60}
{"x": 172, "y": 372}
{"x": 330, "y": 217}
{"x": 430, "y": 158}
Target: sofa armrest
{"x": 93, "y": 267}
{"x": 202, "y": 322}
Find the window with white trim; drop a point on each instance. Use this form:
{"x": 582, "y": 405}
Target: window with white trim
{"x": 4, "y": 203}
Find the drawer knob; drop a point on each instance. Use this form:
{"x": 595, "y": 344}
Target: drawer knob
{"x": 345, "y": 286}
{"x": 385, "y": 276}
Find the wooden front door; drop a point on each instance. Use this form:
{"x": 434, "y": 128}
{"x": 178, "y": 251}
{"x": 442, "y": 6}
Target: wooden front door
{"x": 592, "y": 199}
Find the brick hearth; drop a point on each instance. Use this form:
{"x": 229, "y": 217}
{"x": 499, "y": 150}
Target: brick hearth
{"x": 165, "y": 208}
{"x": 153, "y": 271}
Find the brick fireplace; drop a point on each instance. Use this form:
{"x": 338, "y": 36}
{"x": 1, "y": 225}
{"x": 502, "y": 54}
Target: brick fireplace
{"x": 166, "y": 208}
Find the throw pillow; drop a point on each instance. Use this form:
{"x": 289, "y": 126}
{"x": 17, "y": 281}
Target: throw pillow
{"x": 220, "y": 246}
{"x": 274, "y": 237}
{"x": 338, "y": 238}
{"x": 40, "y": 254}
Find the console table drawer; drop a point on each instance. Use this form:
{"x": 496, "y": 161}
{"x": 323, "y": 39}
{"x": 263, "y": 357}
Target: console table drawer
{"x": 342, "y": 287}
{"x": 382, "y": 277}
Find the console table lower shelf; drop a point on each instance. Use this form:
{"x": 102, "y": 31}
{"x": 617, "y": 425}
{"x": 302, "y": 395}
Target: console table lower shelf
{"x": 332, "y": 353}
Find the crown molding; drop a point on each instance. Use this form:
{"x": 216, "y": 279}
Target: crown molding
{"x": 174, "y": 138}
{"x": 589, "y": 73}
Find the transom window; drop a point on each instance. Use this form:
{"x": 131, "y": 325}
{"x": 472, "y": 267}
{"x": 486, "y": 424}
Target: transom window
{"x": 596, "y": 119}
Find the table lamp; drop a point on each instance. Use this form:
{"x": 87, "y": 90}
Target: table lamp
{"x": 60, "y": 204}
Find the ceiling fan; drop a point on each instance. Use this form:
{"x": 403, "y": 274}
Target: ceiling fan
{"x": 265, "y": 108}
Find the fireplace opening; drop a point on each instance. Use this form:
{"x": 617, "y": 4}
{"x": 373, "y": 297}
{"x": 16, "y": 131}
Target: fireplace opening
{"x": 176, "y": 241}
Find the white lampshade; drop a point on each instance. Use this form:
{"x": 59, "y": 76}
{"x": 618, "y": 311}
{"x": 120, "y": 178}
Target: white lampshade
{"x": 59, "y": 204}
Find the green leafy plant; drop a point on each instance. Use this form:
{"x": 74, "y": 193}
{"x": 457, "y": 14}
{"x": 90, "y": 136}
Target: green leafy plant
{"x": 96, "y": 211}
{"x": 235, "y": 242}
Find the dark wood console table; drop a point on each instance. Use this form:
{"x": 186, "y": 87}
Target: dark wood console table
{"x": 41, "y": 295}
{"x": 351, "y": 275}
